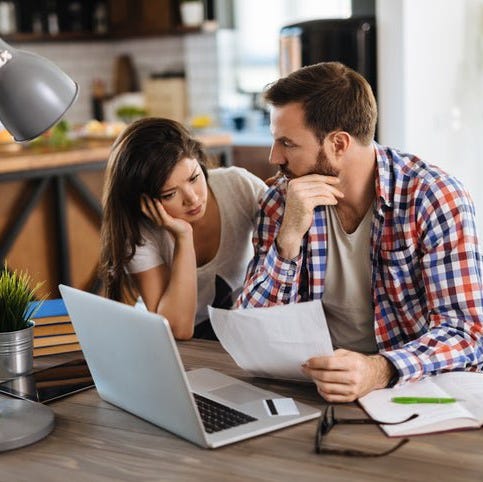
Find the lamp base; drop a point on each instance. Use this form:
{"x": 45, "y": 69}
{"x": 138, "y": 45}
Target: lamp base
{"x": 23, "y": 422}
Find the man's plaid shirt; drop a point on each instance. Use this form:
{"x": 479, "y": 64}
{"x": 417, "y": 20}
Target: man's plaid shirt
{"x": 426, "y": 266}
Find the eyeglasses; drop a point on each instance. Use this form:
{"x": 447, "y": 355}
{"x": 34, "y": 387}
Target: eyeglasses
{"x": 327, "y": 422}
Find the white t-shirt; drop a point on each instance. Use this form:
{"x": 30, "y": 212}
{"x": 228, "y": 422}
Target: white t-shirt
{"x": 237, "y": 193}
{"x": 347, "y": 299}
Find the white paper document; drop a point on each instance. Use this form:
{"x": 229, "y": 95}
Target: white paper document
{"x": 273, "y": 342}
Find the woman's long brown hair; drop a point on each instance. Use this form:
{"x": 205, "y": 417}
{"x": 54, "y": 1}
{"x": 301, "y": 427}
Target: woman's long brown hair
{"x": 141, "y": 160}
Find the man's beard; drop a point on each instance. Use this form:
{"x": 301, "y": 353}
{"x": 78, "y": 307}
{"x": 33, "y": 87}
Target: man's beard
{"x": 321, "y": 166}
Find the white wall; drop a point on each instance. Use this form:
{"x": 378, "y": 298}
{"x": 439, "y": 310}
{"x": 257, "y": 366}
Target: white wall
{"x": 201, "y": 63}
{"x": 430, "y": 67}
{"x": 84, "y": 61}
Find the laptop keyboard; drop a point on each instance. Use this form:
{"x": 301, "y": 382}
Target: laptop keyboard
{"x": 216, "y": 416}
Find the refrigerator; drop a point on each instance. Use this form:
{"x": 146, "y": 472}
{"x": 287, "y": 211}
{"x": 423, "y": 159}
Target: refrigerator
{"x": 351, "y": 41}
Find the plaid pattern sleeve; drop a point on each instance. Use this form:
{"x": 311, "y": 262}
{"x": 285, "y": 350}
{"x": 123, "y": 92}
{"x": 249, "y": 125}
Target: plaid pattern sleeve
{"x": 271, "y": 279}
{"x": 429, "y": 307}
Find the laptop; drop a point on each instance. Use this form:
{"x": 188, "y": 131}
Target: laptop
{"x": 135, "y": 364}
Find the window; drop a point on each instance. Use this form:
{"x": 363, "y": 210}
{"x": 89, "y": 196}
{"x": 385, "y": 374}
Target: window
{"x": 258, "y": 23}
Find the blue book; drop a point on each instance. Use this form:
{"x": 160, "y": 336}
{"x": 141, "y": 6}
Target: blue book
{"x": 49, "y": 308}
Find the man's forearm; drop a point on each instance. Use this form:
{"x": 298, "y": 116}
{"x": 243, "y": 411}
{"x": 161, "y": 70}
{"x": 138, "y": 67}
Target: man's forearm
{"x": 288, "y": 244}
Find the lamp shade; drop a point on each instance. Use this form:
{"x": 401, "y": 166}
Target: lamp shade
{"x": 34, "y": 92}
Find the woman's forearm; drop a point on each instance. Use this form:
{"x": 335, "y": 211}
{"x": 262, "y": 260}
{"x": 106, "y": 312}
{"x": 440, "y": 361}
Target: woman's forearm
{"x": 178, "y": 303}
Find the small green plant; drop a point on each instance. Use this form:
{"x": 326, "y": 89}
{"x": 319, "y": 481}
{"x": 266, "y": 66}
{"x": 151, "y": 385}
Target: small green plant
{"x": 129, "y": 113}
{"x": 15, "y": 298}
{"x": 59, "y": 135}
{"x": 56, "y": 137}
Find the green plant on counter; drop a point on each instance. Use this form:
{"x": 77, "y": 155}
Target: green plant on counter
{"x": 57, "y": 136}
{"x": 15, "y": 298}
{"x": 129, "y": 113}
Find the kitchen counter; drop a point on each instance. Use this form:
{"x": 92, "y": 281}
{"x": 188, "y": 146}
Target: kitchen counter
{"x": 253, "y": 138}
{"x": 16, "y": 157}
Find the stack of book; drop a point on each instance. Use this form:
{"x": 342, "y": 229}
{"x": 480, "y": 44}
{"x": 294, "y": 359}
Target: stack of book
{"x": 53, "y": 330}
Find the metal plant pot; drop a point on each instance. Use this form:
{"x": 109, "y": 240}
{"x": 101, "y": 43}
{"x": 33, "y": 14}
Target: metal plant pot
{"x": 16, "y": 352}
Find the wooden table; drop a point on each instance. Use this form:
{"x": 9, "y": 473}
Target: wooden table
{"x": 96, "y": 441}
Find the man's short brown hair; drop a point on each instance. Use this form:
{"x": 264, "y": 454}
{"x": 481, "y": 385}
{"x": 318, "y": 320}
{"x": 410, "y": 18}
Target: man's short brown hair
{"x": 333, "y": 96}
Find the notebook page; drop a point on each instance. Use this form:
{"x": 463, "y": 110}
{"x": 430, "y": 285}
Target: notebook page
{"x": 431, "y": 417}
{"x": 467, "y": 387}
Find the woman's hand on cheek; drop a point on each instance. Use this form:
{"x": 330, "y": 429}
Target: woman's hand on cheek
{"x": 155, "y": 211}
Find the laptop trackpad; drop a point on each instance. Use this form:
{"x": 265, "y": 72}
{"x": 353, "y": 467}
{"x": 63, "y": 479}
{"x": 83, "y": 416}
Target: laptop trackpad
{"x": 237, "y": 393}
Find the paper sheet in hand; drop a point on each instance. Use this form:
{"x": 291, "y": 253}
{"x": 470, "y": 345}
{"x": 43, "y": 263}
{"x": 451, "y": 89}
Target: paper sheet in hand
{"x": 273, "y": 342}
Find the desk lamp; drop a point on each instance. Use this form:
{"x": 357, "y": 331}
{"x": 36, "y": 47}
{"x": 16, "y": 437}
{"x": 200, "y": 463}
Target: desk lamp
{"x": 34, "y": 95}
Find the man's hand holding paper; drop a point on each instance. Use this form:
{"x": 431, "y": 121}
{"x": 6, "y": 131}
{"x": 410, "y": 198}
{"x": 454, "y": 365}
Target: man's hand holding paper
{"x": 348, "y": 375}
{"x": 274, "y": 342}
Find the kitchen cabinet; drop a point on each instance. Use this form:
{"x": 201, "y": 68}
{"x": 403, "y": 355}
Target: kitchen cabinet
{"x": 59, "y": 20}
{"x": 254, "y": 159}
{"x": 50, "y": 214}
{"x": 142, "y": 17}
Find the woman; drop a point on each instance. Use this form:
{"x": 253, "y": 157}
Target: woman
{"x": 180, "y": 238}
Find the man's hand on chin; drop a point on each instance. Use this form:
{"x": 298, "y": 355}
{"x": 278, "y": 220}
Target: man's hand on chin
{"x": 348, "y": 375}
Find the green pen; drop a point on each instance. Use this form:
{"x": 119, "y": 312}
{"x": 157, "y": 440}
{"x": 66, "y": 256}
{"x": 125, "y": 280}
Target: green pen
{"x": 423, "y": 400}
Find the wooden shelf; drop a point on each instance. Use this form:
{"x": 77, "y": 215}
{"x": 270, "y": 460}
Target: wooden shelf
{"x": 60, "y": 37}
{"x": 125, "y": 19}
{"x": 93, "y": 37}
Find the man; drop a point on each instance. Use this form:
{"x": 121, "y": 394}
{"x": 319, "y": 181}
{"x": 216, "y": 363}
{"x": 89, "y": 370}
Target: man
{"x": 386, "y": 241}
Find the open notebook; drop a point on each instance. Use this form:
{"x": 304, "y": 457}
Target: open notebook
{"x": 466, "y": 412}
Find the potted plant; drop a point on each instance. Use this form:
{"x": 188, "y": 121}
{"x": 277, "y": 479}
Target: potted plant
{"x": 16, "y": 326}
